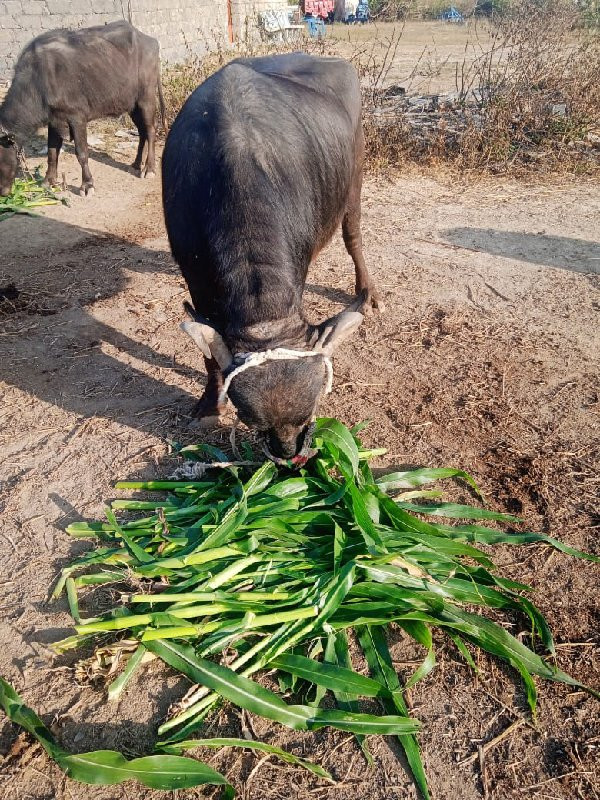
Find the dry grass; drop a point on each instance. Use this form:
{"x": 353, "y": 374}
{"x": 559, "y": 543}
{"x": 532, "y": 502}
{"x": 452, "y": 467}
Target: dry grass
{"x": 536, "y": 106}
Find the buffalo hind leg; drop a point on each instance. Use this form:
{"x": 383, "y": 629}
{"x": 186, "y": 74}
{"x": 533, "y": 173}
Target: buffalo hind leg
{"x": 149, "y": 115}
{"x": 55, "y": 141}
{"x": 365, "y": 288}
{"x": 208, "y": 405}
{"x": 145, "y": 119}
{"x": 79, "y": 133}
{"x": 138, "y": 120}
{"x": 353, "y": 241}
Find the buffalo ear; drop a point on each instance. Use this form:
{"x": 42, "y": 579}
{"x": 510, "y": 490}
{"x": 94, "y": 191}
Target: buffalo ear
{"x": 335, "y": 330}
{"x": 210, "y": 341}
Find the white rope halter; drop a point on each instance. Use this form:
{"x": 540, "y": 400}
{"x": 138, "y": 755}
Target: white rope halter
{"x": 277, "y": 354}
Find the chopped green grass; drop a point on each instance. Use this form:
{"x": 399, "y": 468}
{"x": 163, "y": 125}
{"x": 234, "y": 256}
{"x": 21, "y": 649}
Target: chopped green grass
{"x": 274, "y": 569}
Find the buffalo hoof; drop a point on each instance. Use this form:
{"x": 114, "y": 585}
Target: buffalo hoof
{"x": 206, "y": 423}
{"x": 149, "y": 174}
{"x": 376, "y": 302}
{"x": 370, "y": 300}
{"x": 207, "y": 407}
{"x": 86, "y": 191}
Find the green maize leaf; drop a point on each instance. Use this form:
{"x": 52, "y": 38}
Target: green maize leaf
{"x": 249, "y": 744}
{"x": 117, "y": 686}
{"x": 108, "y": 767}
{"x": 140, "y": 505}
{"x": 463, "y": 650}
{"x": 291, "y": 487}
{"x": 254, "y": 698}
{"x": 261, "y": 479}
{"x": 360, "y": 426}
{"x": 431, "y": 494}
{"x": 459, "y": 511}
{"x": 421, "y": 633}
{"x": 338, "y": 679}
{"x": 356, "y": 501}
{"x": 338, "y": 643}
{"x": 331, "y": 431}
{"x": 374, "y": 646}
{"x": 72, "y": 599}
{"x": 19, "y": 713}
{"x": 198, "y": 451}
{"x": 477, "y": 533}
{"x": 159, "y": 486}
{"x": 496, "y": 640}
{"x": 228, "y": 526}
{"x": 136, "y": 551}
{"x": 99, "y": 578}
{"x": 412, "y": 478}
{"x": 339, "y": 541}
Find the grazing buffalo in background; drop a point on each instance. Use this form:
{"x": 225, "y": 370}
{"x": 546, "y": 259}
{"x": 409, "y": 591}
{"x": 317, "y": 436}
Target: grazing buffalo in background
{"x": 65, "y": 79}
{"x": 260, "y": 167}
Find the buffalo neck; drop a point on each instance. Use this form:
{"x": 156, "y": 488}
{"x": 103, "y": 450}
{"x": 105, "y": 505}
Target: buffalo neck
{"x": 23, "y": 110}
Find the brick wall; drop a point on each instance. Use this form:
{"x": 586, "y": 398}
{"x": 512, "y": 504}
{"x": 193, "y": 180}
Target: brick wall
{"x": 182, "y": 27}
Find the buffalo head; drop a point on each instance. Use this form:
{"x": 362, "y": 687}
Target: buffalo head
{"x": 279, "y": 398}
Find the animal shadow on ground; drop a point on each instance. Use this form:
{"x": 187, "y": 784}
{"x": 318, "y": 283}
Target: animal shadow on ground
{"x": 54, "y": 343}
{"x": 562, "y": 252}
{"x": 332, "y": 294}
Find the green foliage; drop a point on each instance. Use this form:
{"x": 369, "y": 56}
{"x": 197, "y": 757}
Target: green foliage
{"x": 107, "y": 767}
{"x": 273, "y": 569}
{"x": 27, "y": 194}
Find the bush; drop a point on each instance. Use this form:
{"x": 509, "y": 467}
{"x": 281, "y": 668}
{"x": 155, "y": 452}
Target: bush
{"x": 538, "y": 101}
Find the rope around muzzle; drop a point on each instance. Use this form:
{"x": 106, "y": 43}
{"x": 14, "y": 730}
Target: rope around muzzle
{"x": 256, "y": 359}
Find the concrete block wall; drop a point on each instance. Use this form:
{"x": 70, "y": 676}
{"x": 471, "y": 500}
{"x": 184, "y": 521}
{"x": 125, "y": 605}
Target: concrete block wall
{"x": 183, "y": 27}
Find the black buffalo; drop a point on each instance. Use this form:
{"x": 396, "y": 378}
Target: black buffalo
{"x": 65, "y": 79}
{"x": 260, "y": 167}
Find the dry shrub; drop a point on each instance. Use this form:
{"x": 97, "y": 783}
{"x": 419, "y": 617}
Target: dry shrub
{"x": 540, "y": 91}
{"x": 530, "y": 99}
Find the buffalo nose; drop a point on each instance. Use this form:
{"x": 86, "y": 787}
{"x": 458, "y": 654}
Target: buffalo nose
{"x": 5, "y": 192}
{"x": 284, "y": 447}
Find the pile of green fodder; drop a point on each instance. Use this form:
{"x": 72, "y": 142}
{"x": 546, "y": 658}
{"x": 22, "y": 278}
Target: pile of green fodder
{"x": 250, "y": 569}
{"x": 28, "y": 194}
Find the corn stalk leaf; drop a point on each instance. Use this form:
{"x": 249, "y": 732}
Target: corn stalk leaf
{"x": 108, "y": 767}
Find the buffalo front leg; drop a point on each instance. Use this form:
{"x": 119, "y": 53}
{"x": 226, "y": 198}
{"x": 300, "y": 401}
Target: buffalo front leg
{"x": 79, "y": 133}
{"x": 208, "y": 405}
{"x": 55, "y": 141}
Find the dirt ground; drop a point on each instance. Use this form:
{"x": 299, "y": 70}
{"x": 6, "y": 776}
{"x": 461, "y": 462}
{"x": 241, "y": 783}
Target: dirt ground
{"x": 424, "y": 56}
{"x": 486, "y": 359}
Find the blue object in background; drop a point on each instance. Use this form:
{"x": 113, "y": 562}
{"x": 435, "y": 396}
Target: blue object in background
{"x": 315, "y": 27}
{"x": 452, "y": 15}
{"x": 362, "y": 11}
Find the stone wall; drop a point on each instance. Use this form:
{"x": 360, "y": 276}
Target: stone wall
{"x": 183, "y": 27}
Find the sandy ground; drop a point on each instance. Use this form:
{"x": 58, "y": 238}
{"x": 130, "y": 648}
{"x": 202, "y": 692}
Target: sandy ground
{"x": 487, "y": 359}
{"x": 422, "y": 56}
